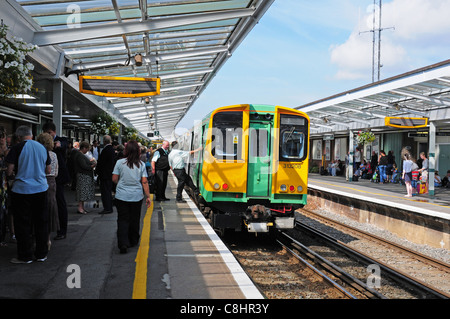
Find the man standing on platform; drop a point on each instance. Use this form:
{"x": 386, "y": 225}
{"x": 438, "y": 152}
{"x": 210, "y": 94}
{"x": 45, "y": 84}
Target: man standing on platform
{"x": 177, "y": 164}
{"x": 28, "y": 162}
{"x": 63, "y": 177}
{"x": 105, "y": 166}
{"x": 160, "y": 168}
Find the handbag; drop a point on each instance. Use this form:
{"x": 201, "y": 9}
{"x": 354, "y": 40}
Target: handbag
{"x": 151, "y": 183}
{"x": 421, "y": 188}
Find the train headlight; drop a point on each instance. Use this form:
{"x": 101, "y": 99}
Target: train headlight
{"x": 216, "y": 186}
{"x": 292, "y": 188}
{"x": 283, "y": 188}
{"x": 299, "y": 188}
{"x": 225, "y": 186}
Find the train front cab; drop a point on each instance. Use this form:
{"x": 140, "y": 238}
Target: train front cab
{"x": 255, "y": 166}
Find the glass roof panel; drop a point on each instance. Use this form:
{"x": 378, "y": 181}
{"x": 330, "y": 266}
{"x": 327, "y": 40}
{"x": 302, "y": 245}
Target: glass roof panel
{"x": 196, "y": 7}
{"x": 200, "y": 44}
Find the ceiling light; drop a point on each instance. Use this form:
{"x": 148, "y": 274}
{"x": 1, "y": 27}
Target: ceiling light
{"x": 39, "y": 104}
{"x": 138, "y": 59}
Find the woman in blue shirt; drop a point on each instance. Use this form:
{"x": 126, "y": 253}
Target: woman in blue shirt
{"x": 130, "y": 175}
{"x": 407, "y": 173}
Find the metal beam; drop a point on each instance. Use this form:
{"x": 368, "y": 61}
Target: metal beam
{"x": 360, "y": 111}
{"x": 346, "y": 117}
{"x": 427, "y": 98}
{"x": 185, "y": 73}
{"x": 43, "y": 38}
{"x": 146, "y": 60}
{"x": 391, "y": 106}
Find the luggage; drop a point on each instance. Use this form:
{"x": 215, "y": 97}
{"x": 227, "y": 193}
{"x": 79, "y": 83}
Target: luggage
{"x": 421, "y": 188}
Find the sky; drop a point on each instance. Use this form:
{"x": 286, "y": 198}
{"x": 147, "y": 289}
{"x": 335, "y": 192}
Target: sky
{"x": 304, "y": 50}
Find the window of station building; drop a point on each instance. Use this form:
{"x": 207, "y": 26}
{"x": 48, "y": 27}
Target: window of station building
{"x": 293, "y": 138}
{"x": 226, "y": 141}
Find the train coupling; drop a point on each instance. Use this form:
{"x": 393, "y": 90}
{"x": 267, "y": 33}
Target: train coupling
{"x": 259, "y": 219}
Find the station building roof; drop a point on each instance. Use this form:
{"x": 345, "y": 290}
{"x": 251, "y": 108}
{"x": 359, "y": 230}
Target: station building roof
{"x": 424, "y": 92}
{"x": 183, "y": 42}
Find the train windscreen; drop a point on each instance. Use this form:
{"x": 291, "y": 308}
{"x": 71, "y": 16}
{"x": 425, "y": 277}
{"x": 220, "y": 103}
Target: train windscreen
{"x": 227, "y": 136}
{"x": 293, "y": 138}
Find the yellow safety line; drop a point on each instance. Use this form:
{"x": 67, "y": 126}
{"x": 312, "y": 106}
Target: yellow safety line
{"x": 140, "y": 276}
{"x": 361, "y": 191}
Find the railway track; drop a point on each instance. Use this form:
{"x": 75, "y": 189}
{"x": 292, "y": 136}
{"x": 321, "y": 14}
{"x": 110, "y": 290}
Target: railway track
{"x": 280, "y": 273}
{"x": 350, "y": 286}
{"x": 423, "y": 276}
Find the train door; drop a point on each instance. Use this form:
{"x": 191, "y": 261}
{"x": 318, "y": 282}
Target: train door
{"x": 258, "y": 176}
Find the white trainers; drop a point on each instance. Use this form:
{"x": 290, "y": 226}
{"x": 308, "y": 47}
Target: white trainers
{"x": 19, "y": 261}
{"x": 41, "y": 259}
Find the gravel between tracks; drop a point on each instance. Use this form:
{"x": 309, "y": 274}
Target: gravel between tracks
{"x": 437, "y": 253}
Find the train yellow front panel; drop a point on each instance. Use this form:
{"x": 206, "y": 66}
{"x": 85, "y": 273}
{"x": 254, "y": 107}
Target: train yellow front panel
{"x": 290, "y": 174}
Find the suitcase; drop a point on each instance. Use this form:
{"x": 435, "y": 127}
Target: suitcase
{"x": 421, "y": 188}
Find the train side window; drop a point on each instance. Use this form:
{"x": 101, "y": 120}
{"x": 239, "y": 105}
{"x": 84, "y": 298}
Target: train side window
{"x": 293, "y": 138}
{"x": 227, "y": 136}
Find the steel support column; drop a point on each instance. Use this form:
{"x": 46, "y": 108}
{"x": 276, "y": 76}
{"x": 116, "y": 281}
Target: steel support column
{"x": 431, "y": 159}
{"x": 58, "y": 105}
{"x": 350, "y": 157}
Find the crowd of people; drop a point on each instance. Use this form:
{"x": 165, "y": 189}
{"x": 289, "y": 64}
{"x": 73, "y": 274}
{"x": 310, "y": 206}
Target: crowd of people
{"x": 35, "y": 172}
{"x": 382, "y": 168}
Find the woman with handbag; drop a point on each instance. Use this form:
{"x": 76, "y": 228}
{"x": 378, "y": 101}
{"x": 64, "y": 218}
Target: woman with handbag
{"x": 84, "y": 169}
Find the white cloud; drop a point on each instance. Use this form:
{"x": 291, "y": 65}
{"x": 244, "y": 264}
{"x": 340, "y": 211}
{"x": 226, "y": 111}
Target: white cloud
{"x": 420, "y": 36}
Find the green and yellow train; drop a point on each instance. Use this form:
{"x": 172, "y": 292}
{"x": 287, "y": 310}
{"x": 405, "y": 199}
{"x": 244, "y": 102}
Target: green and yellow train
{"x": 252, "y": 172}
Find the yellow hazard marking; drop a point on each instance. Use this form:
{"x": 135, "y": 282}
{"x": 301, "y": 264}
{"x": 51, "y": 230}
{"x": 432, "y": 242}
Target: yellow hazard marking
{"x": 140, "y": 275}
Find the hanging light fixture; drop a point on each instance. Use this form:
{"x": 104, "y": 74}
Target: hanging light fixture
{"x": 138, "y": 59}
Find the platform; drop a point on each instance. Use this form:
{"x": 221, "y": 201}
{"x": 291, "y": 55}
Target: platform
{"x": 179, "y": 257}
{"x": 190, "y": 257}
{"x": 418, "y": 219}
{"x": 391, "y": 195}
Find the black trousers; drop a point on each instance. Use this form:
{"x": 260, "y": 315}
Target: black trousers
{"x": 62, "y": 210}
{"x": 128, "y": 222}
{"x": 161, "y": 183}
{"x": 106, "y": 185}
{"x": 30, "y": 216}
{"x": 183, "y": 180}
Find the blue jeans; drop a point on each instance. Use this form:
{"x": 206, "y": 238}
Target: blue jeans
{"x": 382, "y": 169}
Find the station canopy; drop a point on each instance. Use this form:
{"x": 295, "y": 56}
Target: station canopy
{"x": 421, "y": 93}
{"x": 182, "y": 42}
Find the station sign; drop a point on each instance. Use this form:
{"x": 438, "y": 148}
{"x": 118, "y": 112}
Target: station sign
{"x": 406, "y": 122}
{"x": 418, "y": 134}
{"x": 328, "y": 137}
{"x": 119, "y": 86}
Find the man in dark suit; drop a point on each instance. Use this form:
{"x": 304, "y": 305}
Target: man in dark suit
{"x": 160, "y": 168}
{"x": 105, "y": 166}
{"x": 63, "y": 177}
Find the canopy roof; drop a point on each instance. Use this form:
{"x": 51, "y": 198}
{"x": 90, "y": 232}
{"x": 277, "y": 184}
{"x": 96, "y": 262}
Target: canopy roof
{"x": 420, "y": 93}
{"x": 183, "y": 42}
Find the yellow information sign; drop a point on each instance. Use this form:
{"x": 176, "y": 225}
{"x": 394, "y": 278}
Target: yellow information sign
{"x": 119, "y": 86}
{"x": 406, "y": 122}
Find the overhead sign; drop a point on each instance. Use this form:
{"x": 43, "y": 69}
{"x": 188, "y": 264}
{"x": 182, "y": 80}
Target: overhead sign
{"x": 406, "y": 122}
{"x": 119, "y": 86}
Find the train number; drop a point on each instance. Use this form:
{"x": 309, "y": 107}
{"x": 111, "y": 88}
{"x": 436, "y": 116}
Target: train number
{"x": 296, "y": 166}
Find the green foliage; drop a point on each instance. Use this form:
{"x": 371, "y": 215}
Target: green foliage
{"x": 105, "y": 124}
{"x": 365, "y": 137}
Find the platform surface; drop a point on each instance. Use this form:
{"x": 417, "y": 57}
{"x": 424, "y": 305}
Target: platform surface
{"x": 197, "y": 262}
{"x": 179, "y": 257}
{"x": 392, "y": 195}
